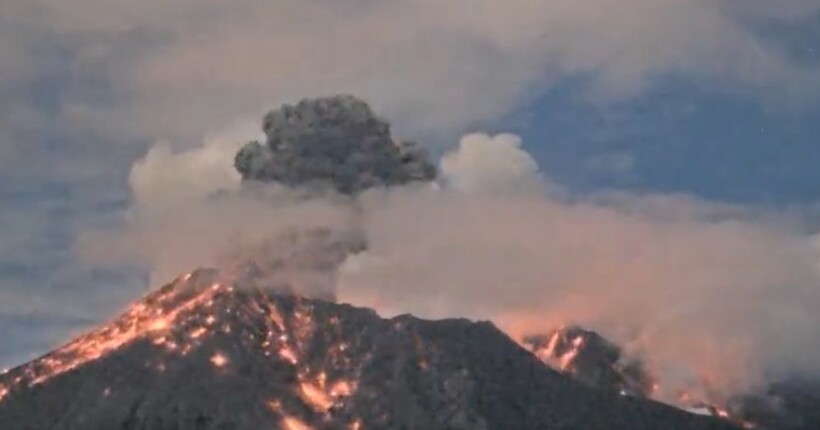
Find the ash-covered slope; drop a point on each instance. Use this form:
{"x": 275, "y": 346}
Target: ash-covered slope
{"x": 199, "y": 354}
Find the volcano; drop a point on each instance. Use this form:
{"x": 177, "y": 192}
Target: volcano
{"x": 201, "y": 353}
{"x": 595, "y": 361}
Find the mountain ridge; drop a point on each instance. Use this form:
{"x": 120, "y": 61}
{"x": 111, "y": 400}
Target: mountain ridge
{"x": 202, "y": 354}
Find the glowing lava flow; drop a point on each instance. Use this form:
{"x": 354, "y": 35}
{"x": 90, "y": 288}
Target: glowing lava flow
{"x": 149, "y": 318}
{"x": 588, "y": 357}
{"x": 287, "y": 339}
{"x": 693, "y": 404}
{"x": 291, "y": 423}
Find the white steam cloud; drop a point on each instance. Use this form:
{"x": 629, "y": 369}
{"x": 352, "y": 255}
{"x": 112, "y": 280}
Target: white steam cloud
{"x": 703, "y": 292}
{"x": 491, "y": 164}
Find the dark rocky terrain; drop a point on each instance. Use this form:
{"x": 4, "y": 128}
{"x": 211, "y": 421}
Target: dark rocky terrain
{"x": 587, "y": 357}
{"x": 199, "y": 354}
{"x": 593, "y": 360}
{"x": 792, "y": 404}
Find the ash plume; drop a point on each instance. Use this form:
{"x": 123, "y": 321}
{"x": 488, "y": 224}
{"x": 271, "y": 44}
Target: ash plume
{"x": 333, "y": 141}
{"x": 286, "y": 217}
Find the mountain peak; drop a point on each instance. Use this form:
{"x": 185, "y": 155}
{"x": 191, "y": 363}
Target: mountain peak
{"x": 201, "y": 353}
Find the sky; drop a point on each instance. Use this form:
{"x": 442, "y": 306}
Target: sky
{"x": 715, "y": 101}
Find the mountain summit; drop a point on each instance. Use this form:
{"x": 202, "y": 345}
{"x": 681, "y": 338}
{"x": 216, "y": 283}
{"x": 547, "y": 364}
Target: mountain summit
{"x": 201, "y": 354}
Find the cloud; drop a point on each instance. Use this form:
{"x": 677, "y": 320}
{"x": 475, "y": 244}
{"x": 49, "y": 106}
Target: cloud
{"x": 188, "y": 211}
{"x": 166, "y": 176}
{"x": 702, "y": 291}
{"x": 168, "y": 70}
{"x": 495, "y": 164}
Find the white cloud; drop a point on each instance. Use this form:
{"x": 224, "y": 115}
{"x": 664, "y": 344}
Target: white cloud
{"x": 494, "y": 164}
{"x": 175, "y": 69}
{"x": 172, "y": 177}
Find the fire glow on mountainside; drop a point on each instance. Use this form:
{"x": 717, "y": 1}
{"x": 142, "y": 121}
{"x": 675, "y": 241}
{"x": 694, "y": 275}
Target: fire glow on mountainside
{"x": 180, "y": 317}
{"x": 595, "y": 361}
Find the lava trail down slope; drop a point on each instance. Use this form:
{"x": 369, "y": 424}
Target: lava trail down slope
{"x": 202, "y": 354}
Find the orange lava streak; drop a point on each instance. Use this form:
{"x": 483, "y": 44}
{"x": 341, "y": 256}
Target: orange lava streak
{"x": 342, "y": 388}
{"x": 287, "y": 353}
{"x": 313, "y": 395}
{"x": 291, "y": 423}
{"x": 197, "y": 333}
{"x": 141, "y": 320}
{"x": 568, "y": 357}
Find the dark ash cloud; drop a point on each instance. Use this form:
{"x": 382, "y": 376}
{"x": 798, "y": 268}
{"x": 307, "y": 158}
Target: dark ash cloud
{"x": 334, "y": 141}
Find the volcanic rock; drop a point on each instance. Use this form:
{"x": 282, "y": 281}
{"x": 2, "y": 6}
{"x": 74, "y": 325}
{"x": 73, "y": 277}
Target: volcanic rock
{"x": 590, "y": 358}
{"x": 203, "y": 354}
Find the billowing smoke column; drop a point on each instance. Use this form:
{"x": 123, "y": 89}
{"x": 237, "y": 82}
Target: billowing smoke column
{"x": 335, "y": 142}
{"x": 319, "y": 145}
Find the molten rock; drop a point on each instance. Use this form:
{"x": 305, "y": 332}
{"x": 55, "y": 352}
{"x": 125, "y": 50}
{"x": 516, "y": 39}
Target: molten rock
{"x": 591, "y": 359}
{"x": 202, "y": 354}
{"x": 597, "y": 362}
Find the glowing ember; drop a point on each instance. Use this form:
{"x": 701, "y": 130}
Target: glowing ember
{"x": 567, "y": 358}
{"x": 219, "y": 359}
{"x": 196, "y": 334}
{"x": 159, "y": 324}
{"x": 275, "y": 406}
{"x": 291, "y": 423}
{"x": 288, "y": 354}
{"x": 550, "y": 350}
{"x": 314, "y": 396}
{"x": 341, "y": 388}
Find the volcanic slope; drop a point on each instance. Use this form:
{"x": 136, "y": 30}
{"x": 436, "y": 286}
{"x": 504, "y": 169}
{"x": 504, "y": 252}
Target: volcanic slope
{"x": 202, "y": 354}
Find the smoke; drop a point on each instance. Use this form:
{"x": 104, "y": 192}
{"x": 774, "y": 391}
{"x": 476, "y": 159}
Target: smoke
{"x": 189, "y": 210}
{"x": 701, "y": 292}
{"x": 334, "y": 141}
{"x": 701, "y": 297}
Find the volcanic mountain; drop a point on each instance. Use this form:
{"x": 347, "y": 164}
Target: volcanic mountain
{"x": 589, "y": 358}
{"x": 201, "y": 353}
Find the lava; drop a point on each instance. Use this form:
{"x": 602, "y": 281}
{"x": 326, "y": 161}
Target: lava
{"x": 219, "y": 360}
{"x": 151, "y": 318}
{"x": 587, "y": 356}
{"x": 316, "y": 397}
{"x": 291, "y": 423}
{"x": 568, "y": 358}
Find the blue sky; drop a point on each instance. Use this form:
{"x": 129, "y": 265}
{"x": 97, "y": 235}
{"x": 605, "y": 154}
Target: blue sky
{"x": 678, "y": 137}
{"x": 717, "y": 101}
